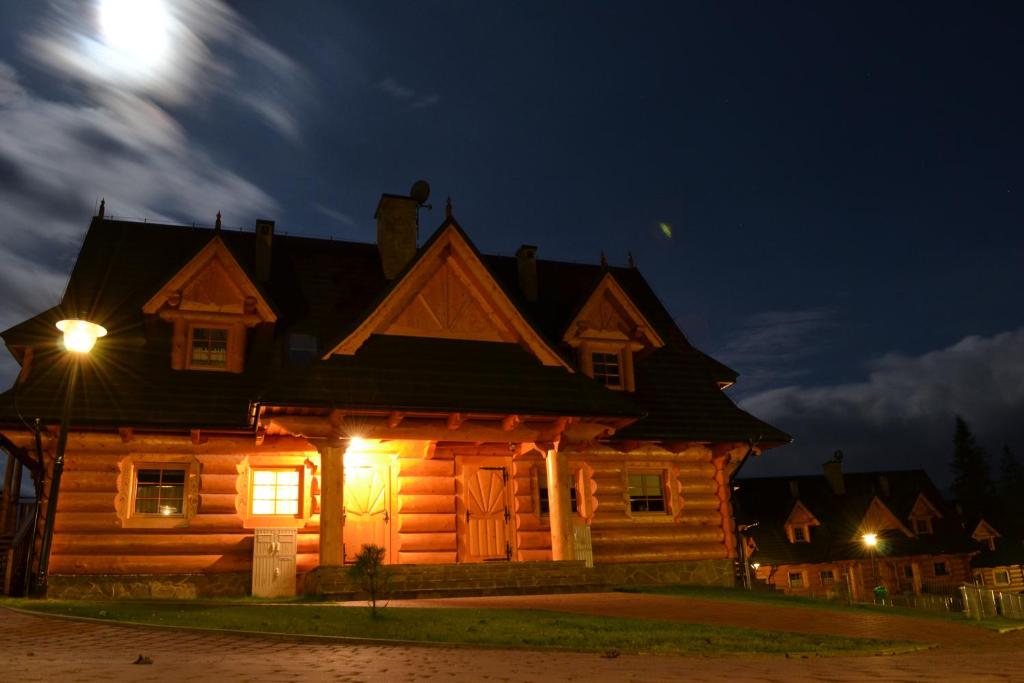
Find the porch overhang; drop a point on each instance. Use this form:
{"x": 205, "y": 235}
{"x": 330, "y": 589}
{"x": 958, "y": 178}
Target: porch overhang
{"x": 476, "y": 427}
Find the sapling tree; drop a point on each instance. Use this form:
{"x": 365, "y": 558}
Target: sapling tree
{"x": 370, "y": 571}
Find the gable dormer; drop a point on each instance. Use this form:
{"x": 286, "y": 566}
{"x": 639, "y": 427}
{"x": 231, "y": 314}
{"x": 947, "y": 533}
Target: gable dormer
{"x": 878, "y": 517}
{"x": 799, "y": 523}
{"x": 448, "y": 293}
{"x": 985, "y": 534}
{"x": 607, "y": 332}
{"x": 211, "y": 303}
{"x": 922, "y": 515}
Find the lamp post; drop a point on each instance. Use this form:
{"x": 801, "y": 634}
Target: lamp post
{"x": 79, "y": 338}
{"x": 871, "y": 541}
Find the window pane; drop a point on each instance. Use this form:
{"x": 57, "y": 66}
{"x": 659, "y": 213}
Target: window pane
{"x": 263, "y": 493}
{"x": 263, "y": 507}
{"x": 160, "y": 491}
{"x": 263, "y": 477}
{"x": 288, "y": 478}
{"x": 148, "y": 476}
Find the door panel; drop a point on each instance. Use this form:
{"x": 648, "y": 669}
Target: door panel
{"x": 367, "y": 508}
{"x": 484, "y": 513}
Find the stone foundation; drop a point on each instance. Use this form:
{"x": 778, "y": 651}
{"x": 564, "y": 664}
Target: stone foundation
{"x": 408, "y": 581}
{"x": 168, "y": 586}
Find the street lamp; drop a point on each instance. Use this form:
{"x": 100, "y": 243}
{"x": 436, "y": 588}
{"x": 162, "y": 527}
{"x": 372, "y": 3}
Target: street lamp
{"x": 79, "y": 338}
{"x": 871, "y": 541}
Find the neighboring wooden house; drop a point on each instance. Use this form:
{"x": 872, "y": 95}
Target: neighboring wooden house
{"x": 299, "y": 397}
{"x": 805, "y": 535}
{"x": 1000, "y": 564}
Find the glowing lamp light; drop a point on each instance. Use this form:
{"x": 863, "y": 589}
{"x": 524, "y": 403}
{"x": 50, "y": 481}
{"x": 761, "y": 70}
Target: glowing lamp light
{"x": 166, "y": 510}
{"x": 870, "y": 540}
{"x": 756, "y": 566}
{"x": 80, "y": 335}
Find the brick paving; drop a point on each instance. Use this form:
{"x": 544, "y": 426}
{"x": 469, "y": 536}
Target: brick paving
{"x": 34, "y": 648}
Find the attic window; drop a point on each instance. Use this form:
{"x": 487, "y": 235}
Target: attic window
{"x": 209, "y": 348}
{"x": 607, "y": 369}
{"x": 922, "y": 526}
{"x": 799, "y": 534}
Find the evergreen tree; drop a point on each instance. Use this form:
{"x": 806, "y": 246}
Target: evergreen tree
{"x": 972, "y": 484}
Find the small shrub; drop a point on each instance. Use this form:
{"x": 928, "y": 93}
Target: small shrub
{"x": 370, "y": 571}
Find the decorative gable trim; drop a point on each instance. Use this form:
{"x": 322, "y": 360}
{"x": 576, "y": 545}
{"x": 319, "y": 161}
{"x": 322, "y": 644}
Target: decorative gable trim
{"x": 610, "y": 315}
{"x": 212, "y": 283}
{"x": 878, "y": 516}
{"x": 448, "y": 293}
{"x": 924, "y": 509}
{"x": 801, "y": 516}
{"x": 984, "y": 531}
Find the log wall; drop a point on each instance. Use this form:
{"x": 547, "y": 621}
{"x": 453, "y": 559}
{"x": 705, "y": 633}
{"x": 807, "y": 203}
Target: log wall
{"x": 92, "y": 536}
{"x": 693, "y": 527}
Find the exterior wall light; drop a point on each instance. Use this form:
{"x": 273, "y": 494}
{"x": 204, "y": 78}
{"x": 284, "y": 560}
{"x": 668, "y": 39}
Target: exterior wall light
{"x": 80, "y": 335}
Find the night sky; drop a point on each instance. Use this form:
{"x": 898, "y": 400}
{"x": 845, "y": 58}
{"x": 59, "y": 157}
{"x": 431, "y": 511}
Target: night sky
{"x": 843, "y": 184}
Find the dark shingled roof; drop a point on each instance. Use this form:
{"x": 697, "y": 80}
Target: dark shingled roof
{"x": 324, "y": 288}
{"x": 769, "y": 501}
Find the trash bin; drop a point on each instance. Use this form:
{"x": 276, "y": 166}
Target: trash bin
{"x": 880, "y": 594}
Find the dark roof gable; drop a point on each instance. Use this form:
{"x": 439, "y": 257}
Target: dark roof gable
{"x": 323, "y": 288}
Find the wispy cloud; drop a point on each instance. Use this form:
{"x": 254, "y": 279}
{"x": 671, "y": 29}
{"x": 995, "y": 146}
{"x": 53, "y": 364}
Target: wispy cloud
{"x": 901, "y": 414}
{"x": 207, "y": 50}
{"x": 407, "y": 95}
{"x": 336, "y": 215}
{"x": 772, "y": 347}
{"x": 113, "y": 135}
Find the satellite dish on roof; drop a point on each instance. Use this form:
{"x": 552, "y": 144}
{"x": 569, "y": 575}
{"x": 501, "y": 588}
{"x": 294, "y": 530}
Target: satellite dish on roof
{"x": 420, "y": 191}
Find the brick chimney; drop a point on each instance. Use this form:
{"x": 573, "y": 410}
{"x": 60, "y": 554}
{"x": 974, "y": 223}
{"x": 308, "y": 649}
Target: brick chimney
{"x": 397, "y": 225}
{"x": 264, "y": 241}
{"x": 833, "y": 470}
{"x": 526, "y": 262}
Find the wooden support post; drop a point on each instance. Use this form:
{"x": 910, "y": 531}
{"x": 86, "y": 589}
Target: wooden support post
{"x": 332, "y": 501}
{"x": 721, "y": 462}
{"x": 559, "y": 505}
{"x": 10, "y": 496}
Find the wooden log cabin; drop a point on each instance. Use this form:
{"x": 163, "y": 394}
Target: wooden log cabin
{"x": 805, "y": 535}
{"x": 290, "y": 399}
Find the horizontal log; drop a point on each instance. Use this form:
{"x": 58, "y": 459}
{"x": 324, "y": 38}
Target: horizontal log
{"x": 427, "y": 504}
{"x": 697, "y": 470}
{"x": 426, "y": 557}
{"x": 150, "y": 564}
{"x": 436, "y": 542}
{"x": 82, "y": 501}
{"x": 428, "y": 485}
{"x": 88, "y": 481}
{"x": 606, "y": 468}
{"x": 701, "y": 502}
{"x": 86, "y": 522}
{"x": 220, "y": 464}
{"x": 669, "y": 534}
{"x": 698, "y": 486}
{"x": 695, "y": 518}
{"x": 534, "y": 555}
{"x": 534, "y": 540}
{"x": 418, "y": 467}
{"x": 160, "y": 543}
{"x": 425, "y": 522}
{"x": 668, "y": 555}
{"x": 219, "y": 483}
{"x": 415, "y": 428}
{"x": 217, "y": 502}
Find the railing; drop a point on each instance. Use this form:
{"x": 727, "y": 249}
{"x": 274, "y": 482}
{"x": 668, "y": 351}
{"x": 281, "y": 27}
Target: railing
{"x": 982, "y": 603}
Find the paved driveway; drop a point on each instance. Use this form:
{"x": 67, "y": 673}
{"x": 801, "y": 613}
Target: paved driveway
{"x": 47, "y": 649}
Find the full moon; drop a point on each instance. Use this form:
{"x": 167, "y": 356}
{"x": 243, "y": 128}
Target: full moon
{"x": 137, "y": 29}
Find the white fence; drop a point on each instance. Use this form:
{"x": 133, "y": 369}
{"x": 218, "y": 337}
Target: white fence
{"x": 980, "y": 603}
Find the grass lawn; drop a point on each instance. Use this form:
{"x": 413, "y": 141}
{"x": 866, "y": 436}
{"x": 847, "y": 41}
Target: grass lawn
{"x": 536, "y": 629}
{"x": 740, "y": 595}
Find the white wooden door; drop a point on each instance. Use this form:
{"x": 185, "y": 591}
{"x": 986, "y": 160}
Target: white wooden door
{"x": 273, "y": 563}
{"x": 367, "y": 508}
{"x": 484, "y": 514}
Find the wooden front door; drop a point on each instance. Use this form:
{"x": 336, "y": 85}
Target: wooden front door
{"x": 367, "y": 508}
{"x": 484, "y": 511}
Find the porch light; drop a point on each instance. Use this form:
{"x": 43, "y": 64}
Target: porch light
{"x": 870, "y": 540}
{"x": 80, "y": 335}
